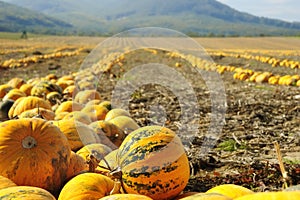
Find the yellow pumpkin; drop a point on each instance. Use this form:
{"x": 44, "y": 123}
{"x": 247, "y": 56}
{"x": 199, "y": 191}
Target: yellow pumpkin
{"x": 230, "y": 190}
{"x": 206, "y": 196}
{"x": 27, "y": 103}
{"x": 87, "y": 95}
{"x": 38, "y": 112}
{"x": 16, "y": 82}
{"x": 26, "y": 88}
{"x": 153, "y": 163}
{"x": 14, "y": 94}
{"x": 95, "y": 112}
{"x": 68, "y": 106}
{"x": 77, "y": 133}
{"x": 79, "y": 116}
{"x": 4, "y": 89}
{"x": 116, "y": 112}
{"x": 126, "y": 197}
{"x": 6, "y": 182}
{"x": 125, "y": 123}
{"x": 89, "y": 186}
{"x": 109, "y": 134}
{"x": 34, "y": 152}
{"x": 293, "y": 195}
{"x": 99, "y": 151}
{"x": 25, "y": 193}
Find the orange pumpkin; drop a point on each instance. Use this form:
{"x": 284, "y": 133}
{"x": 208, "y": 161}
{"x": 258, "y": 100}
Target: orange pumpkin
{"x": 70, "y": 91}
{"x": 87, "y": 95}
{"x": 106, "y": 104}
{"x": 230, "y": 190}
{"x": 77, "y": 165}
{"x": 25, "y": 193}
{"x": 153, "y": 163}
{"x": 6, "y": 182}
{"x": 68, "y": 106}
{"x": 77, "y": 133}
{"x": 89, "y": 186}
{"x": 93, "y": 102}
{"x": 27, "y": 103}
{"x": 126, "y": 197}
{"x": 108, "y": 131}
{"x": 42, "y": 88}
{"x": 34, "y": 153}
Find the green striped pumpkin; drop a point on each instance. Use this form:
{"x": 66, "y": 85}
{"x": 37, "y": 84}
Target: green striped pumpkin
{"x": 153, "y": 163}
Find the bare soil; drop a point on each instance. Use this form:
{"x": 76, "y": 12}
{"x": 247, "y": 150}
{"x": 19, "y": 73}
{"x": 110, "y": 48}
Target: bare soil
{"x": 257, "y": 115}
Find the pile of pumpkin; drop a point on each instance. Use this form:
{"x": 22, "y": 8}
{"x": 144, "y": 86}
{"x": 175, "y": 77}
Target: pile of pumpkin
{"x": 57, "y": 142}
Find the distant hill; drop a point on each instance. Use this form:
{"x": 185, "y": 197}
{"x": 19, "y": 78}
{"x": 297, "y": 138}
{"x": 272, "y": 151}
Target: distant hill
{"x": 16, "y": 19}
{"x": 195, "y": 17}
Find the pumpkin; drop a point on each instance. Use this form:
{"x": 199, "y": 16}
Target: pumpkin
{"x": 89, "y": 186}
{"x": 87, "y": 95}
{"x": 126, "y": 197}
{"x": 4, "y": 89}
{"x": 54, "y": 97}
{"x": 77, "y": 133}
{"x": 60, "y": 116}
{"x": 6, "y": 182}
{"x": 64, "y": 83}
{"x": 113, "y": 113}
{"x": 38, "y": 112}
{"x": 70, "y": 91}
{"x": 26, "y": 88}
{"x": 68, "y": 106}
{"x": 99, "y": 151}
{"x": 230, "y": 190}
{"x": 25, "y": 193}
{"x": 292, "y": 195}
{"x": 14, "y": 94}
{"x": 79, "y": 116}
{"x": 125, "y": 123}
{"x": 108, "y": 131}
{"x": 27, "y": 103}
{"x": 51, "y": 77}
{"x": 42, "y": 88}
{"x": 77, "y": 165}
{"x": 95, "y": 112}
{"x": 206, "y": 196}
{"x": 4, "y": 108}
{"x": 109, "y": 162}
{"x": 34, "y": 152}
{"x": 16, "y": 82}
{"x": 106, "y": 104}
{"x": 186, "y": 194}
{"x": 153, "y": 163}
{"x": 93, "y": 102}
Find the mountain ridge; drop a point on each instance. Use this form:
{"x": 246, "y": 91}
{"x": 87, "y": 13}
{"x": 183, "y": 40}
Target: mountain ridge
{"x": 198, "y": 17}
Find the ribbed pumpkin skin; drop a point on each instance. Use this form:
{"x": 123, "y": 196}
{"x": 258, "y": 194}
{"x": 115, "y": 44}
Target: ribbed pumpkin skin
{"x": 126, "y": 197}
{"x": 230, "y": 190}
{"x": 25, "y": 193}
{"x": 87, "y": 186}
{"x": 77, "y": 165}
{"x": 153, "y": 163}
{"x": 27, "y": 103}
{"x": 293, "y": 195}
{"x": 33, "y": 152}
{"x": 77, "y": 133}
{"x": 5, "y": 182}
{"x": 98, "y": 150}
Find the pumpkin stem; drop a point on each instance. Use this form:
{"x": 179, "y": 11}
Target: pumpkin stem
{"x": 93, "y": 162}
{"x": 117, "y": 187}
{"x": 29, "y": 142}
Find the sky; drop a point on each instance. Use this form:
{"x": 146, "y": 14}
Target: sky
{"x": 288, "y": 10}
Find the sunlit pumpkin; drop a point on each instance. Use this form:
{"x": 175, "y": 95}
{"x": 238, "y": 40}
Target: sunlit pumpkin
{"x": 14, "y": 94}
{"x": 86, "y": 95}
{"x": 206, "y": 196}
{"x": 68, "y": 106}
{"x": 99, "y": 151}
{"x": 79, "y": 116}
{"x": 116, "y": 112}
{"x": 230, "y": 190}
{"x": 153, "y": 163}
{"x": 293, "y": 195}
{"x": 16, "y": 82}
{"x": 34, "y": 153}
{"x": 25, "y": 193}
{"x": 125, "y": 123}
{"x": 6, "y": 182}
{"x": 95, "y": 112}
{"x": 89, "y": 186}
{"x": 27, "y": 103}
{"x": 76, "y": 166}
{"x": 4, "y": 89}
{"x": 38, "y": 113}
{"x": 126, "y": 197}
